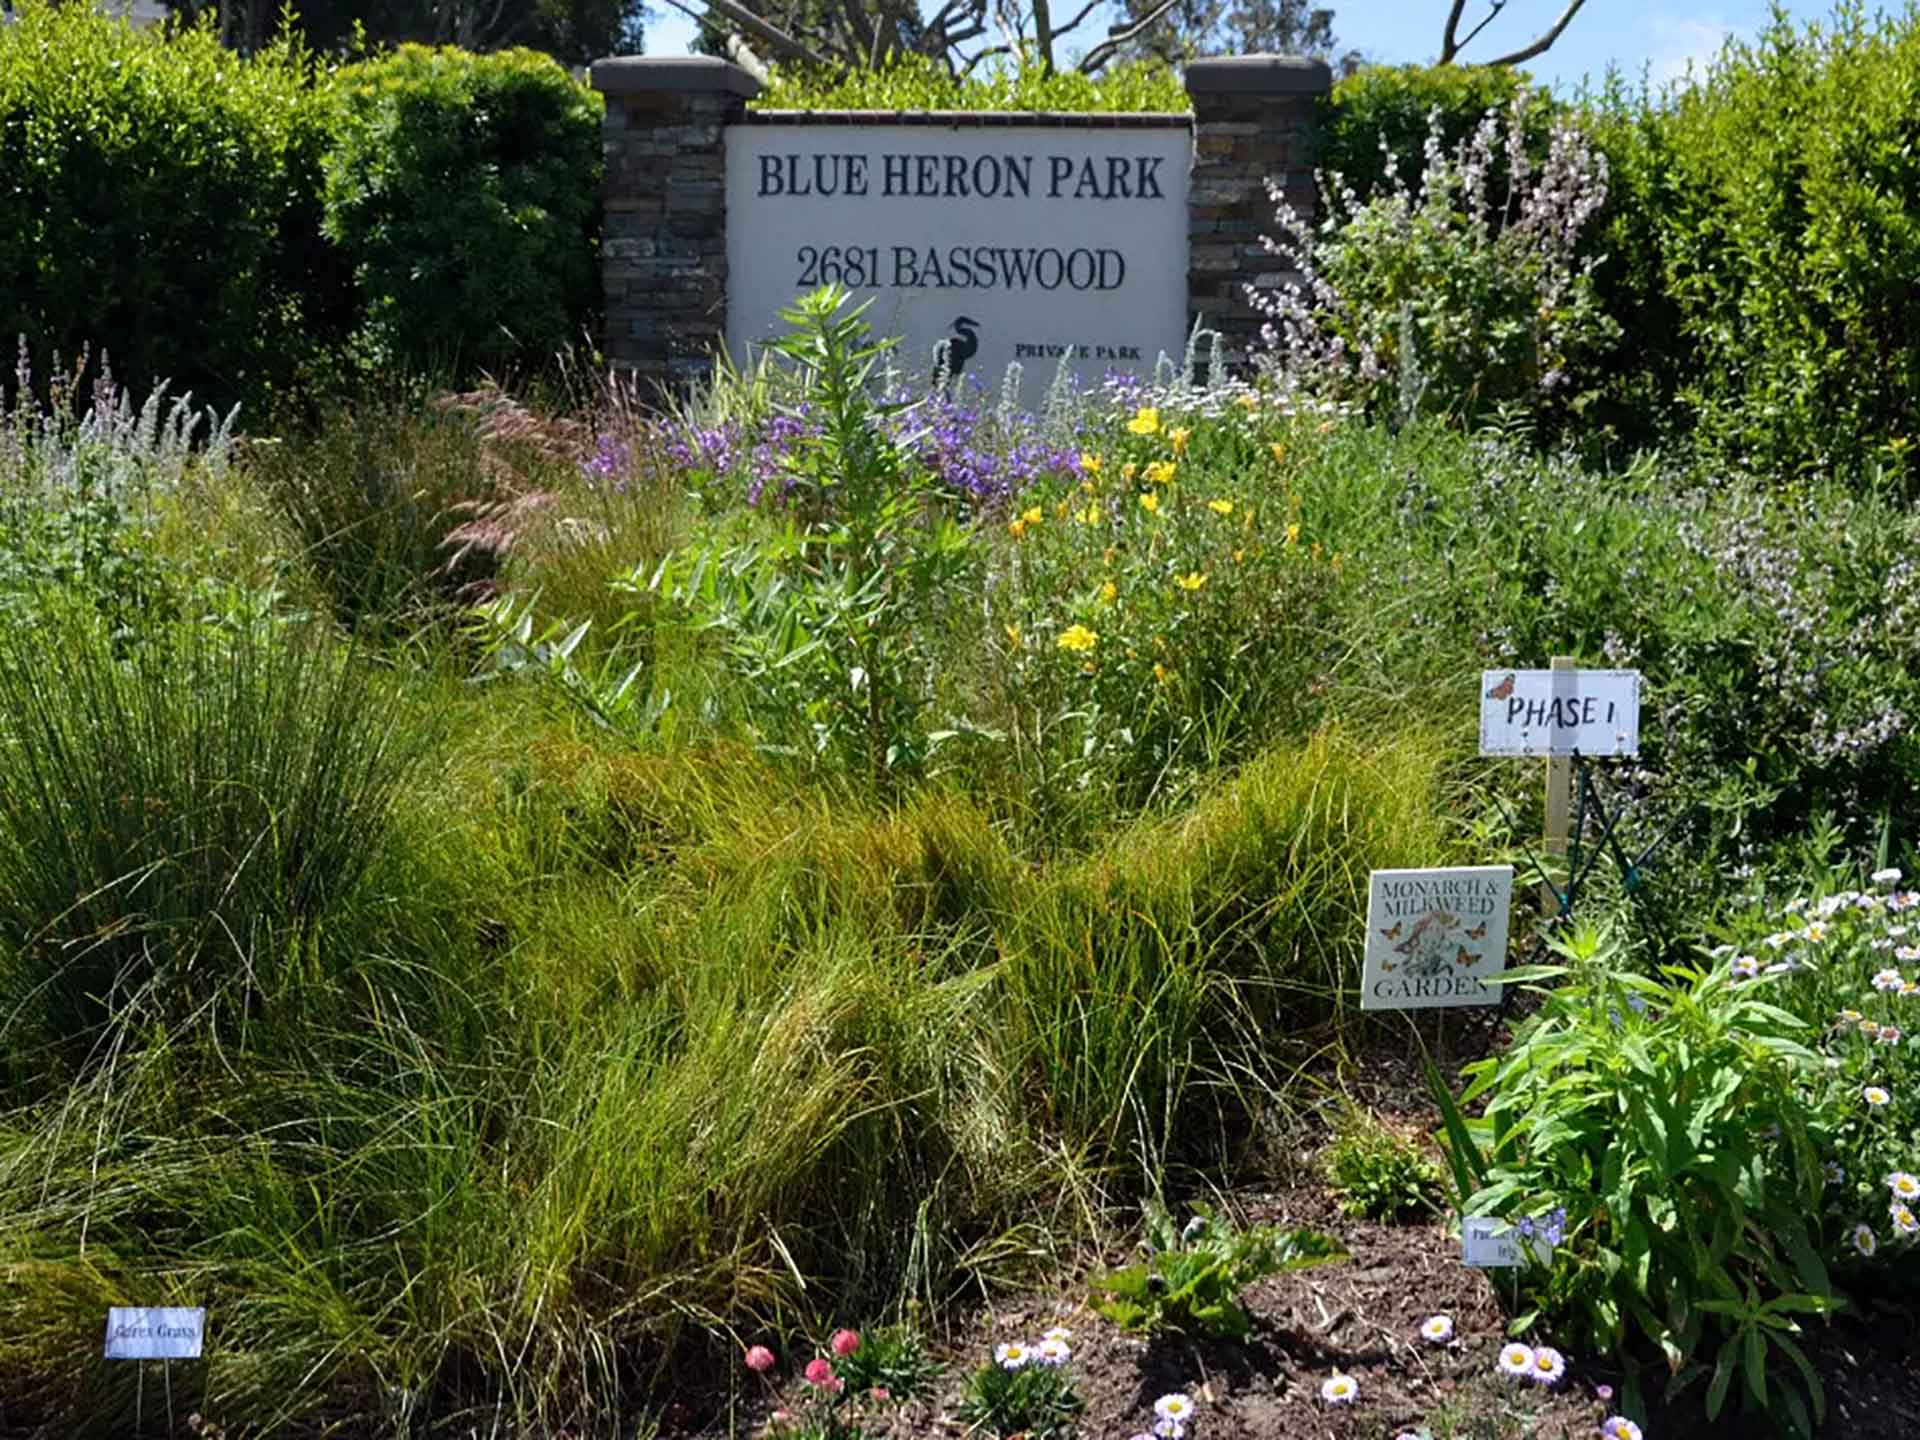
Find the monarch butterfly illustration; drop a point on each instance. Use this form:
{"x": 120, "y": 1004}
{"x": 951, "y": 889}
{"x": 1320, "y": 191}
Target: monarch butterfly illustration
{"x": 1394, "y": 933}
{"x": 1502, "y": 690}
{"x": 1479, "y": 932}
{"x": 1464, "y": 956}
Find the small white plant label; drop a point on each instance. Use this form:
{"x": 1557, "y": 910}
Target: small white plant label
{"x": 155, "y": 1332}
{"x": 1559, "y": 712}
{"x": 1435, "y": 937}
{"x": 1491, "y": 1244}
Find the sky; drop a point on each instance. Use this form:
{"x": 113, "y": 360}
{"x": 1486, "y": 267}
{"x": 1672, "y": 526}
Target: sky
{"x": 1660, "y": 35}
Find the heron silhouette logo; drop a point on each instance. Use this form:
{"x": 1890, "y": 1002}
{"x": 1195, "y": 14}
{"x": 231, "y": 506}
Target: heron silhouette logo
{"x": 960, "y": 347}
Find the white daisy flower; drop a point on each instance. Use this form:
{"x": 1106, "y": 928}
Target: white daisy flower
{"x": 1438, "y": 1329}
{"x": 1340, "y": 1390}
{"x": 1516, "y": 1360}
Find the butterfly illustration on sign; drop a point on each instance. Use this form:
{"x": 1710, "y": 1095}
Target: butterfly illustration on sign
{"x": 1502, "y": 690}
{"x": 1434, "y": 943}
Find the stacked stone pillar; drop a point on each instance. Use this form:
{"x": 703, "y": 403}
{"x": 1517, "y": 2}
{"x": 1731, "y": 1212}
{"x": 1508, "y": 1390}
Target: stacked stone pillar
{"x": 663, "y": 253}
{"x": 1253, "y": 118}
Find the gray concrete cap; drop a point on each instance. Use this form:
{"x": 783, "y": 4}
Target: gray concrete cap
{"x": 1257, "y": 75}
{"x": 636, "y": 74}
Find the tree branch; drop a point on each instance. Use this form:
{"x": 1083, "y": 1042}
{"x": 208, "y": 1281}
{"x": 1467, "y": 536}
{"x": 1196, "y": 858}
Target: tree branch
{"x": 1119, "y": 35}
{"x": 1545, "y": 42}
{"x": 1075, "y": 23}
{"x": 1043, "y": 34}
{"x": 1493, "y": 13}
{"x": 782, "y": 43}
{"x": 1449, "y": 47}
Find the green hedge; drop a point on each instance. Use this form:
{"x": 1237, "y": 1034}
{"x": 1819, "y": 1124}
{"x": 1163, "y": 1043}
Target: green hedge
{"x": 918, "y": 82}
{"x": 1766, "y": 240}
{"x": 154, "y": 198}
{"x": 239, "y": 225}
{"x": 463, "y": 190}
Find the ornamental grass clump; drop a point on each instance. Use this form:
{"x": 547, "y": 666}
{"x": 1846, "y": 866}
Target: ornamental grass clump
{"x": 178, "y": 814}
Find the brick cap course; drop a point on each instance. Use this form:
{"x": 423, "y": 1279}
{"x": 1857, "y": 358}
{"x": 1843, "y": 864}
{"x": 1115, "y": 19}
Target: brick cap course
{"x": 1259, "y": 75}
{"x": 636, "y": 74}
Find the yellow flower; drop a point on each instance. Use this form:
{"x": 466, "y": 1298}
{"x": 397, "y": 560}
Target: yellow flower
{"x": 1193, "y": 581}
{"x": 1013, "y": 634}
{"x": 1238, "y": 556}
{"x": 1090, "y": 464}
{"x": 1060, "y": 509}
{"x": 1159, "y": 472}
{"x": 1016, "y": 528}
{"x": 1034, "y": 516}
{"x": 1147, "y": 422}
{"x": 1078, "y": 638}
{"x": 1109, "y": 592}
{"x": 1150, "y": 502}
{"x": 1248, "y": 401}
{"x": 1127, "y": 470}
{"x": 1088, "y": 516}
{"x": 1279, "y": 452}
{"x": 1293, "y": 533}
{"x": 1161, "y": 673}
{"x": 1087, "y": 487}
{"x": 1178, "y": 439}
{"x": 1220, "y": 507}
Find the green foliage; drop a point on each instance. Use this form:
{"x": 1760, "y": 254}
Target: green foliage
{"x": 1376, "y": 1171}
{"x": 820, "y": 618}
{"x": 462, "y": 190}
{"x": 891, "y": 1358}
{"x": 1025, "y": 1399}
{"x": 1389, "y": 110}
{"x": 1452, "y": 297}
{"x": 156, "y": 200}
{"x": 1764, "y": 236}
{"x": 919, "y": 82}
{"x": 1664, "y": 1114}
{"x": 179, "y": 815}
{"x": 375, "y": 495}
{"x": 1190, "y": 1283}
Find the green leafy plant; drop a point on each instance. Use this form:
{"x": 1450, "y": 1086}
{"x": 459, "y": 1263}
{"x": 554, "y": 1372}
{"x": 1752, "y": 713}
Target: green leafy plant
{"x": 892, "y": 1359}
{"x": 820, "y": 616}
{"x": 463, "y": 191}
{"x": 1663, "y": 1114}
{"x": 1375, "y": 1170}
{"x": 1015, "y": 1395}
{"x": 1190, "y": 1283}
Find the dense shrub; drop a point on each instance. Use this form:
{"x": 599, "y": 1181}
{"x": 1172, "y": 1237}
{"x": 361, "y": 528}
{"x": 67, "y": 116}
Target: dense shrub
{"x": 154, "y": 200}
{"x": 919, "y": 82}
{"x": 1771, "y": 209}
{"x": 1463, "y": 295}
{"x": 461, "y": 189}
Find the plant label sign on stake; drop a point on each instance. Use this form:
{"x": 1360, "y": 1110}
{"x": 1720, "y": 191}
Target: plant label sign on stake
{"x": 1562, "y": 711}
{"x": 1435, "y": 937}
{"x": 155, "y": 1332}
{"x": 1489, "y": 1243}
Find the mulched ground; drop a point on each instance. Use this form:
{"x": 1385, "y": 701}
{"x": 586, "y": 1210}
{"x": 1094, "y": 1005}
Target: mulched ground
{"x": 1362, "y": 1318}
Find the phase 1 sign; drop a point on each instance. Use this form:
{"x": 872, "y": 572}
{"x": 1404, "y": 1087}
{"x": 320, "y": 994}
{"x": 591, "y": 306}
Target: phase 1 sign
{"x": 1435, "y": 937}
{"x": 155, "y": 1332}
{"x": 1560, "y": 712}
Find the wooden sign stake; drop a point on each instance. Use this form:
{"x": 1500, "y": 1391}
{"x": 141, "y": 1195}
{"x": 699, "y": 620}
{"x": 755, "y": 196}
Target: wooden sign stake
{"x": 1559, "y": 806}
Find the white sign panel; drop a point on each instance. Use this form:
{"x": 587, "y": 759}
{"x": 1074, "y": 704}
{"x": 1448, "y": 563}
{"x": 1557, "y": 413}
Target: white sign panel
{"x": 1434, "y": 937}
{"x": 155, "y": 1333}
{"x": 1490, "y": 1243}
{"x": 1558, "y": 712}
{"x": 1023, "y": 243}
